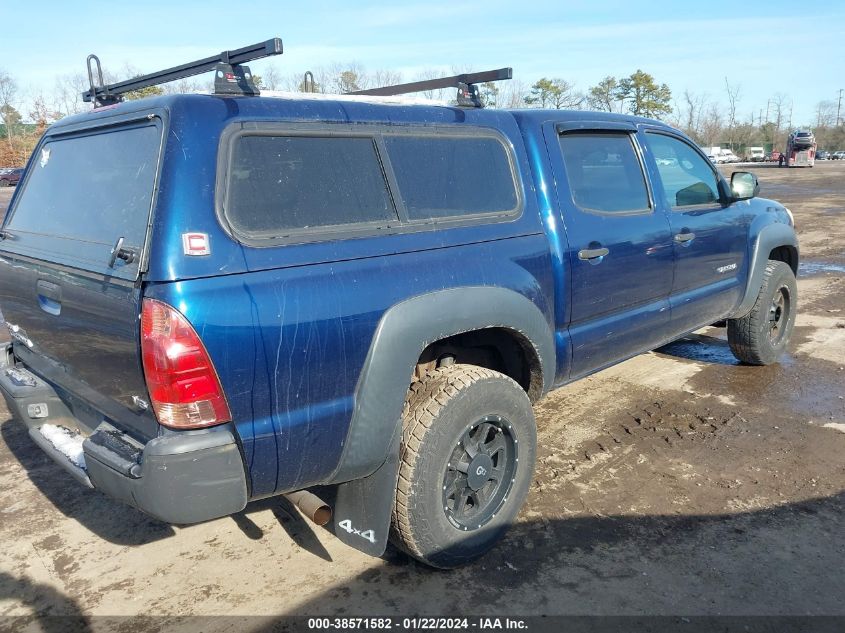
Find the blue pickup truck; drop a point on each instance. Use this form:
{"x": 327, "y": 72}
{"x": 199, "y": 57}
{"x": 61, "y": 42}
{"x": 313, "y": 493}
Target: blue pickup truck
{"x": 214, "y": 298}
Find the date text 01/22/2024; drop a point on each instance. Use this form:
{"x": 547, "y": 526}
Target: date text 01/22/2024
{"x": 418, "y": 624}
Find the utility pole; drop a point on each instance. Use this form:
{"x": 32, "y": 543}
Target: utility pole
{"x": 839, "y": 107}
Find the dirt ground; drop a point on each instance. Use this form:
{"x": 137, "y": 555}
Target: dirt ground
{"x": 678, "y": 482}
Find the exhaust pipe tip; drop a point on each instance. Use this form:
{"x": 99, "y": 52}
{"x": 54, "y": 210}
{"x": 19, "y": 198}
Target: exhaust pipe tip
{"x": 311, "y": 506}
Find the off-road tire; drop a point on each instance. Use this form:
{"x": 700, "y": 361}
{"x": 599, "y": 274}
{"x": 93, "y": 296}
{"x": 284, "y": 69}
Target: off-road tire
{"x": 439, "y": 410}
{"x": 750, "y": 337}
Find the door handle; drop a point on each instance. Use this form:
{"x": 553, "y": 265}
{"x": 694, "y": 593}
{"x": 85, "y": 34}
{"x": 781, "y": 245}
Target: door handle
{"x": 49, "y": 290}
{"x": 592, "y": 253}
{"x": 683, "y": 238}
{"x": 49, "y": 297}
{"x": 119, "y": 252}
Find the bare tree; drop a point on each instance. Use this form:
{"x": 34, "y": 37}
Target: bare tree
{"x": 385, "y": 77}
{"x": 512, "y": 94}
{"x": 711, "y": 125}
{"x": 324, "y": 77}
{"x": 67, "y": 94}
{"x": 185, "y": 86}
{"x": 293, "y": 82}
{"x": 688, "y": 114}
{"x": 825, "y": 114}
{"x": 778, "y": 104}
{"x": 343, "y": 78}
{"x": 432, "y": 73}
{"x": 8, "y": 92}
{"x": 460, "y": 69}
{"x": 733, "y": 92}
{"x": 271, "y": 78}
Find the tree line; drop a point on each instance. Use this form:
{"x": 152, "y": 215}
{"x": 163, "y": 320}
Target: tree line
{"x": 710, "y": 121}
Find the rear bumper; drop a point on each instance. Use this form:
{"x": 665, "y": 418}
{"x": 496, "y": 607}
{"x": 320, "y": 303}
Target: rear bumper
{"x": 180, "y": 477}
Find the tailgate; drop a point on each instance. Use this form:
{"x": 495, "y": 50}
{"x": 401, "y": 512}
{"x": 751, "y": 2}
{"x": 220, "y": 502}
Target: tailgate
{"x": 71, "y": 304}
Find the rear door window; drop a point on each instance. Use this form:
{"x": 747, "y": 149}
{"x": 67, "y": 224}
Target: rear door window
{"x": 285, "y": 185}
{"x": 452, "y": 176}
{"x": 604, "y": 172}
{"x": 84, "y": 192}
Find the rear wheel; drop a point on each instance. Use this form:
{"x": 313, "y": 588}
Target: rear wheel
{"x": 467, "y": 460}
{"x": 762, "y": 335}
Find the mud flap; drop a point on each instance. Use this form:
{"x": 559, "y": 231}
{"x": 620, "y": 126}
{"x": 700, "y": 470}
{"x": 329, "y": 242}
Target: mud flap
{"x": 363, "y": 506}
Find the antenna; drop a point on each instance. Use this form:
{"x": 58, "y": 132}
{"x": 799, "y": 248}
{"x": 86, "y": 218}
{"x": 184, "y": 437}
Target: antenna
{"x": 466, "y": 83}
{"x": 231, "y": 76}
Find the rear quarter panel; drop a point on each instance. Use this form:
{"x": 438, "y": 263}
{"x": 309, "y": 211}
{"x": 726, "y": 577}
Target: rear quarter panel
{"x": 289, "y": 343}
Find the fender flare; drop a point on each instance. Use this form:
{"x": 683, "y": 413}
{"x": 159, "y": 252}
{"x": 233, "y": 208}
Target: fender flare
{"x": 769, "y": 238}
{"x": 403, "y": 332}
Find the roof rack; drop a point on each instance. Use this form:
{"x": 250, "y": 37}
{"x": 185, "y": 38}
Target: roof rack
{"x": 231, "y": 77}
{"x": 466, "y": 83}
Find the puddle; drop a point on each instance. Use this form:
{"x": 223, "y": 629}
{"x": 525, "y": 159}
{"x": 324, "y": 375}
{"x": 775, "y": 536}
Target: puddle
{"x": 816, "y": 268}
{"x": 706, "y": 349}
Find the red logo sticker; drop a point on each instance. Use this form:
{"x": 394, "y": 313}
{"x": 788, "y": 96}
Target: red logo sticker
{"x": 195, "y": 244}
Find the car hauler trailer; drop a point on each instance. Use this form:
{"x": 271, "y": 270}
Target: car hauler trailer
{"x": 800, "y": 149}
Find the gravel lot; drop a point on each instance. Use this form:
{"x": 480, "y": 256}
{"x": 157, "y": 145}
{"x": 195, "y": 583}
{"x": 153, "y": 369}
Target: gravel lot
{"x": 675, "y": 483}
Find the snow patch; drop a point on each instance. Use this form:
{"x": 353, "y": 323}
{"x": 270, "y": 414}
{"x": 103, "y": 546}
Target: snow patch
{"x": 835, "y": 425}
{"x": 827, "y": 341}
{"x": 67, "y": 442}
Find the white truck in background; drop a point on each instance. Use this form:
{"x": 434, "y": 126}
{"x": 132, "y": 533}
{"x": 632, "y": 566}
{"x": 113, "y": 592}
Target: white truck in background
{"x": 713, "y": 153}
{"x": 755, "y": 154}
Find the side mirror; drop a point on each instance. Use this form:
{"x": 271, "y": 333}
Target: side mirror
{"x": 744, "y": 185}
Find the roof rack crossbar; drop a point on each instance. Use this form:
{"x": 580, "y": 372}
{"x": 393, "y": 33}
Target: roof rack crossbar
{"x": 111, "y": 93}
{"x": 464, "y": 82}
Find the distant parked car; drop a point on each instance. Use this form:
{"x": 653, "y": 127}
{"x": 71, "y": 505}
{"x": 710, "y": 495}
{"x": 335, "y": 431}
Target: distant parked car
{"x": 666, "y": 162}
{"x": 718, "y": 155}
{"x": 9, "y": 177}
{"x": 840, "y": 155}
{"x": 822, "y": 155}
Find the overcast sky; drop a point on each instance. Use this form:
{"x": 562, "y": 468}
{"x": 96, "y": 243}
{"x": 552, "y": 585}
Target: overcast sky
{"x": 770, "y": 46}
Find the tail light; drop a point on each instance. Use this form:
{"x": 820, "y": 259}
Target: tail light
{"x": 183, "y": 384}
